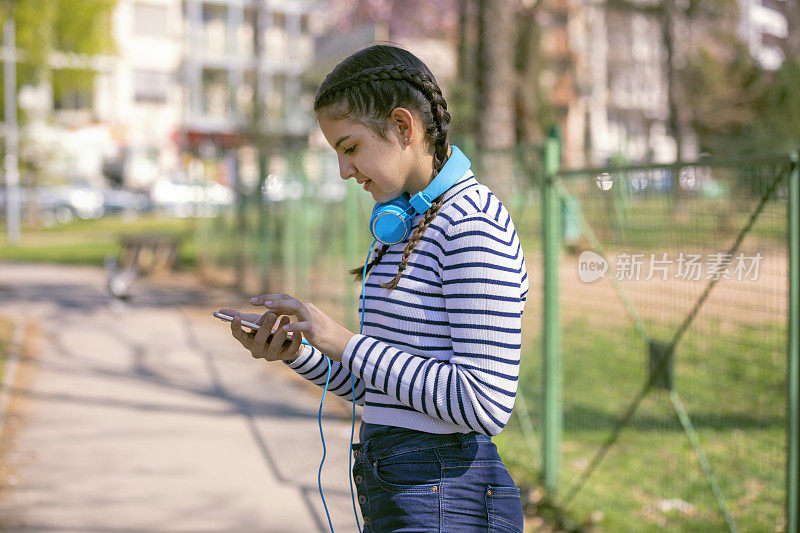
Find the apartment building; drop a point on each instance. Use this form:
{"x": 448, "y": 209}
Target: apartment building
{"x": 181, "y": 88}
{"x": 139, "y": 98}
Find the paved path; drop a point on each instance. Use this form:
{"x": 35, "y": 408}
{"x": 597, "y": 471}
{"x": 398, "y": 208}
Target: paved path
{"x": 149, "y": 417}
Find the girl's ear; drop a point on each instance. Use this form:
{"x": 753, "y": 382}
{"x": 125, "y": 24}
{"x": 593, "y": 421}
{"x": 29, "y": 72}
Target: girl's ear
{"x": 403, "y": 121}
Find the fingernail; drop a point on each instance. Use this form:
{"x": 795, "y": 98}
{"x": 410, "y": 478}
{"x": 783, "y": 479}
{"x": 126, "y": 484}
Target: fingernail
{"x": 268, "y": 303}
{"x": 254, "y": 299}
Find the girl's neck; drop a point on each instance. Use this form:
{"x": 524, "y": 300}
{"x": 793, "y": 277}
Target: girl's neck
{"x": 421, "y": 178}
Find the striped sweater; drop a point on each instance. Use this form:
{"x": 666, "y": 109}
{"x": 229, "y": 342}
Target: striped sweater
{"x": 440, "y": 353}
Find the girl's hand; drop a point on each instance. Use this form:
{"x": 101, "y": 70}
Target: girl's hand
{"x": 257, "y": 341}
{"x": 320, "y": 330}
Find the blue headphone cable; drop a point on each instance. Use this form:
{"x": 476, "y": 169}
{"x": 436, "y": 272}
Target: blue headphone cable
{"x": 353, "y": 418}
{"x": 321, "y": 436}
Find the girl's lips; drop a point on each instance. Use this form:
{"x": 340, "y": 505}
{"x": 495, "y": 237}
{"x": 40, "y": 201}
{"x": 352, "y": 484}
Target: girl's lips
{"x": 366, "y": 185}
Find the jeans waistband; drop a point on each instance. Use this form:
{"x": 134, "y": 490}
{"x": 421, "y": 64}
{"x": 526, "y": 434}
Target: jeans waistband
{"x": 385, "y": 445}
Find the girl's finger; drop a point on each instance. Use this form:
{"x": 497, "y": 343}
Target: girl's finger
{"x": 281, "y": 303}
{"x": 240, "y": 335}
{"x": 260, "y": 300}
{"x": 284, "y": 305}
{"x": 276, "y": 345}
{"x": 294, "y": 348}
{"x": 268, "y": 319}
{"x": 297, "y": 327}
{"x": 250, "y": 317}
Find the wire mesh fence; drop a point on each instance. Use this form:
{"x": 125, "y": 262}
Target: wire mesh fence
{"x": 673, "y": 296}
{"x": 671, "y": 393}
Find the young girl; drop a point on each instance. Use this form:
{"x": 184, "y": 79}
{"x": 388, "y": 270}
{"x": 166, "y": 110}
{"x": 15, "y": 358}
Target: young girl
{"x": 437, "y": 361}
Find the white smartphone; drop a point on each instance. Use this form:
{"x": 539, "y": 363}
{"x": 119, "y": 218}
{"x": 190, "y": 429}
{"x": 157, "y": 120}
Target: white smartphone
{"x": 245, "y": 323}
{"x": 254, "y": 327}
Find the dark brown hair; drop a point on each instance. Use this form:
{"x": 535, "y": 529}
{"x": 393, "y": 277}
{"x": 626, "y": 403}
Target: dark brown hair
{"x": 365, "y": 88}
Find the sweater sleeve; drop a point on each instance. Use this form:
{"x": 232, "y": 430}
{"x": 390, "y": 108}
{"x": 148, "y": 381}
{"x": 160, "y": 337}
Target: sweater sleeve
{"x": 483, "y": 271}
{"x": 311, "y": 365}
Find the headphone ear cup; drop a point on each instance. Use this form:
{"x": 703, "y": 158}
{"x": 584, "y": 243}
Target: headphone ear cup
{"x": 391, "y": 222}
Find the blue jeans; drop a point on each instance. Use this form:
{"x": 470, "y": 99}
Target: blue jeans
{"x": 424, "y": 482}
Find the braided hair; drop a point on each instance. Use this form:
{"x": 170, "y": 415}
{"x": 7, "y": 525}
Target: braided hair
{"x": 366, "y": 87}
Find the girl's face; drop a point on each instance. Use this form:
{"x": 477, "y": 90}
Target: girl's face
{"x": 383, "y": 166}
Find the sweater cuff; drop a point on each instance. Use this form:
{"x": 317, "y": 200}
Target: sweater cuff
{"x": 355, "y": 353}
{"x": 308, "y": 358}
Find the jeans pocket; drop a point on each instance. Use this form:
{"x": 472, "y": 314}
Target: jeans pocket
{"x": 413, "y": 471}
{"x": 504, "y": 509}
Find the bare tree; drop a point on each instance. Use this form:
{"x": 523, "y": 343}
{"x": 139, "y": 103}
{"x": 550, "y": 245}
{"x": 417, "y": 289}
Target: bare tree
{"x": 792, "y": 11}
{"x": 528, "y": 66}
{"x": 495, "y": 108}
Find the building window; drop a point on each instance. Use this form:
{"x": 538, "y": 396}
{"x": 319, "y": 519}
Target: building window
{"x": 275, "y": 102}
{"x": 73, "y": 89}
{"x": 151, "y": 87}
{"x": 215, "y": 28}
{"x": 216, "y": 93}
{"x": 279, "y": 20}
{"x": 149, "y": 20}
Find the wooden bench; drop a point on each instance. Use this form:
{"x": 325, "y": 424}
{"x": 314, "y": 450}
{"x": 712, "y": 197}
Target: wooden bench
{"x": 149, "y": 253}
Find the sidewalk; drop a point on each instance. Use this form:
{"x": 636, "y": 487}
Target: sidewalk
{"x": 149, "y": 417}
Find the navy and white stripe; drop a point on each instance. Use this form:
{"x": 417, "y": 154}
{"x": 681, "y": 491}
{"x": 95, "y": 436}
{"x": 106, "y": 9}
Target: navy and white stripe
{"x": 440, "y": 353}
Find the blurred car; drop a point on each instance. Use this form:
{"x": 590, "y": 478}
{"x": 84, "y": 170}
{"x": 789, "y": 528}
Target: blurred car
{"x": 181, "y": 198}
{"x": 129, "y": 205}
{"x": 60, "y": 204}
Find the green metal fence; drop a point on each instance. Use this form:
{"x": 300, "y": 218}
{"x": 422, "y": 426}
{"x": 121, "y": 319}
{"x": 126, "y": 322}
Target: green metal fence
{"x": 661, "y": 395}
{"x": 669, "y": 398}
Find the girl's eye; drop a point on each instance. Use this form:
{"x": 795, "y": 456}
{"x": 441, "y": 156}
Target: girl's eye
{"x": 350, "y": 150}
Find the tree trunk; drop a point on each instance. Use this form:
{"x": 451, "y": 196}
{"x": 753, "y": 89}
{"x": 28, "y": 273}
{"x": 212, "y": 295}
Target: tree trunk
{"x": 792, "y": 50}
{"x": 463, "y": 36}
{"x": 495, "y": 103}
{"x": 528, "y": 129}
{"x": 495, "y": 110}
{"x": 462, "y": 96}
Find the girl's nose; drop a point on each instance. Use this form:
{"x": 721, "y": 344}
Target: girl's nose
{"x": 346, "y": 170}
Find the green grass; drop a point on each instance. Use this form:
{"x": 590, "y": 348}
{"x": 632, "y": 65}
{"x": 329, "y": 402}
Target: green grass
{"x": 732, "y": 385}
{"x": 648, "y": 222}
{"x": 89, "y": 241}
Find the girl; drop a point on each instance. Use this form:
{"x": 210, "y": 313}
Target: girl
{"x": 437, "y": 361}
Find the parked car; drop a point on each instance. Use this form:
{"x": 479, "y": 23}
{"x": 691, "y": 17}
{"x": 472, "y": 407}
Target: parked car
{"x": 60, "y": 204}
{"x": 129, "y": 205}
{"x": 180, "y": 198}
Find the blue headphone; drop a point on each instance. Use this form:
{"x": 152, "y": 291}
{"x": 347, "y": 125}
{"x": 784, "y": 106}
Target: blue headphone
{"x": 391, "y": 221}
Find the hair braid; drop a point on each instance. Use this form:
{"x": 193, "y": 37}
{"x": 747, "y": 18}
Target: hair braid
{"x": 358, "y": 271}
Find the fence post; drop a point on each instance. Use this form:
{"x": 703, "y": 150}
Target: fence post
{"x": 793, "y": 432}
{"x": 551, "y": 402}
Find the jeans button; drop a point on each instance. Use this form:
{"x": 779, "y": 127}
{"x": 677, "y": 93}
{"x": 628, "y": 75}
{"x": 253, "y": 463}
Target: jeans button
{"x": 359, "y": 479}
{"x": 356, "y": 454}
{"x": 362, "y": 499}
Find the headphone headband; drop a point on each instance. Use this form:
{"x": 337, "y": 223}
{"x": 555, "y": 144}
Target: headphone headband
{"x": 451, "y": 172}
{"x": 391, "y": 221}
